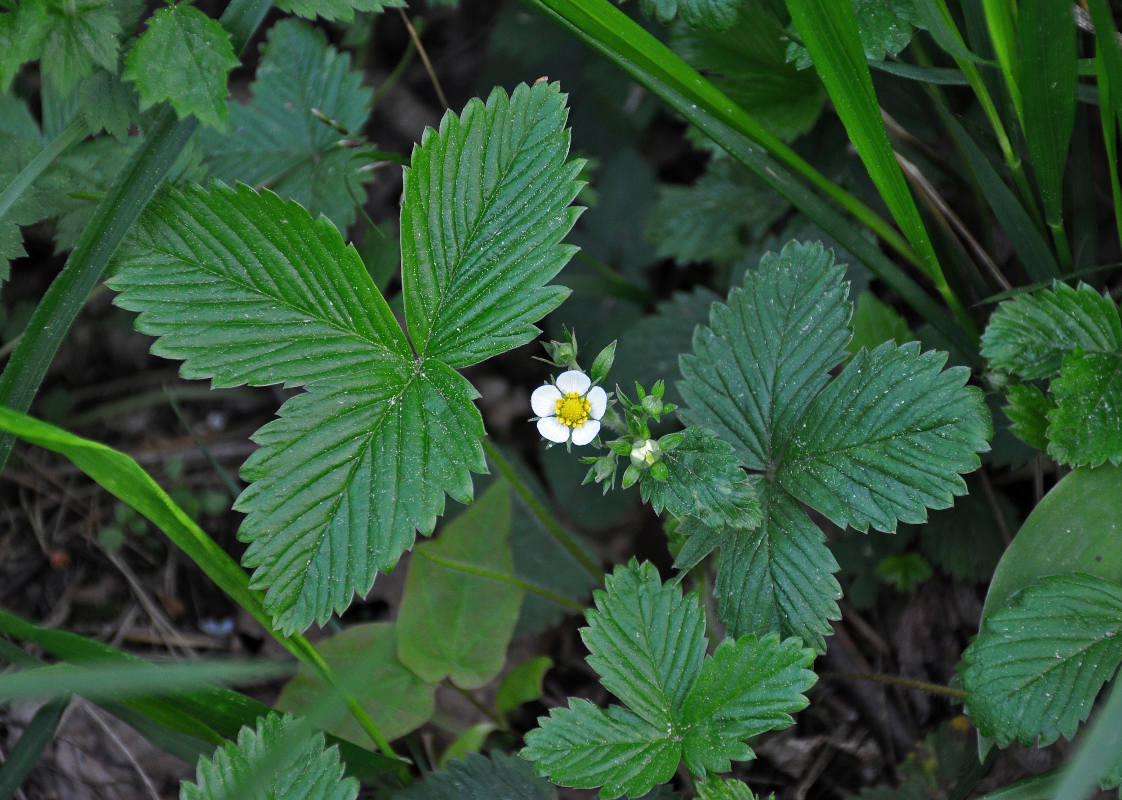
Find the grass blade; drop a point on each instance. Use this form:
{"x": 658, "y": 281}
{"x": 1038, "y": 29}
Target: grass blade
{"x": 36, "y": 736}
{"x": 1108, "y": 65}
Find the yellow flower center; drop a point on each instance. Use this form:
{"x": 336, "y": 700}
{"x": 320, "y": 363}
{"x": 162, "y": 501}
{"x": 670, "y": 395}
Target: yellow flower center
{"x": 572, "y": 409}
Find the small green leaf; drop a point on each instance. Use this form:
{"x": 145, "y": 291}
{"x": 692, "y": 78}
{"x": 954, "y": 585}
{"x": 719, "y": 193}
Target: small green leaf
{"x": 1030, "y": 335}
{"x": 715, "y": 788}
{"x": 714, "y": 14}
{"x": 481, "y": 236}
{"x": 1085, "y": 427}
{"x": 107, "y": 102}
{"x": 183, "y": 57}
{"x": 22, "y": 33}
{"x": 452, "y": 622}
{"x": 366, "y": 655}
{"x": 495, "y": 777}
{"x": 81, "y": 34}
{"x": 703, "y": 480}
{"x": 277, "y": 141}
{"x": 1028, "y": 412}
{"x": 875, "y": 323}
{"x": 887, "y": 439}
{"x": 1035, "y": 669}
{"x": 885, "y": 27}
{"x": 341, "y": 10}
{"x": 748, "y": 62}
{"x": 280, "y": 759}
{"x": 905, "y": 572}
{"x": 522, "y": 685}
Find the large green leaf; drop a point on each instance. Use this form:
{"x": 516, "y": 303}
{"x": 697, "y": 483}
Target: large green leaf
{"x": 183, "y": 57}
{"x": 882, "y": 442}
{"x": 280, "y": 759}
{"x": 481, "y": 235}
{"x": 453, "y": 622}
{"x": 887, "y": 439}
{"x": 648, "y": 644}
{"x": 1035, "y": 669}
{"x": 1030, "y": 335}
{"x": 495, "y": 777}
{"x": 276, "y": 141}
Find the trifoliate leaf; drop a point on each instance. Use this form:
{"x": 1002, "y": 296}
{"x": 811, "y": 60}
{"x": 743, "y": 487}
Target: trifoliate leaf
{"x": 887, "y": 439}
{"x": 1028, "y": 412}
{"x": 725, "y": 210}
{"x": 22, "y": 32}
{"x": 748, "y": 62}
{"x": 705, "y": 481}
{"x": 780, "y": 576}
{"x": 341, "y": 10}
{"x": 1030, "y": 335}
{"x": 746, "y": 687}
{"x": 1085, "y": 427}
{"x": 495, "y": 777}
{"x": 875, "y": 323}
{"x": 491, "y": 229}
{"x": 183, "y": 57}
{"x": 80, "y": 34}
{"x": 885, "y": 26}
{"x": 277, "y": 141}
{"x": 1035, "y": 669}
{"x": 648, "y": 643}
{"x": 281, "y": 759}
{"x": 768, "y": 352}
{"x": 366, "y": 657}
{"x": 645, "y": 641}
{"x": 715, "y": 14}
{"x": 454, "y": 623}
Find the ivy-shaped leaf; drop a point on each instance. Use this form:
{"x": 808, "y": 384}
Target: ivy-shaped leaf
{"x": 183, "y": 57}
{"x": 881, "y": 443}
{"x": 495, "y": 777}
{"x": 704, "y": 480}
{"x": 648, "y": 644}
{"x": 247, "y": 288}
{"x": 1035, "y": 669}
{"x": 341, "y": 10}
{"x": 277, "y": 141}
{"x": 280, "y": 759}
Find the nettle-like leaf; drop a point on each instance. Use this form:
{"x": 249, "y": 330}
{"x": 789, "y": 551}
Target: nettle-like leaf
{"x": 704, "y": 480}
{"x": 648, "y": 644}
{"x": 22, "y": 31}
{"x": 1035, "y": 669}
{"x": 80, "y": 34}
{"x": 277, "y": 141}
{"x": 714, "y": 14}
{"x": 341, "y": 10}
{"x": 280, "y": 759}
{"x": 886, "y": 28}
{"x": 247, "y": 288}
{"x": 1072, "y": 337}
{"x": 495, "y": 777}
{"x": 882, "y": 442}
{"x": 183, "y": 57}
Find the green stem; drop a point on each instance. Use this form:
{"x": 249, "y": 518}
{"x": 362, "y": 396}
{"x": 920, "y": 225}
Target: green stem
{"x": 471, "y": 569}
{"x": 114, "y": 215}
{"x": 559, "y": 534}
{"x": 75, "y": 132}
{"x": 896, "y": 680}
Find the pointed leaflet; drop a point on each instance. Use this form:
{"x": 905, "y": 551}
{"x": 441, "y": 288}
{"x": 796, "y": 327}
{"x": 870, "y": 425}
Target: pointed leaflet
{"x": 1031, "y": 334}
{"x": 887, "y": 439}
{"x": 768, "y": 352}
{"x": 79, "y": 35}
{"x": 276, "y": 141}
{"x": 779, "y": 576}
{"x": 1085, "y": 427}
{"x": 1035, "y": 669}
{"x": 454, "y": 623}
{"x": 280, "y": 759}
{"x": 183, "y": 57}
{"x": 648, "y": 643}
{"x": 480, "y": 236}
{"x": 343, "y": 10}
{"x": 497, "y": 776}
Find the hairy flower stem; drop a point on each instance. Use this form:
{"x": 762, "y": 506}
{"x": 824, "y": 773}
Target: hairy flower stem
{"x": 897, "y": 680}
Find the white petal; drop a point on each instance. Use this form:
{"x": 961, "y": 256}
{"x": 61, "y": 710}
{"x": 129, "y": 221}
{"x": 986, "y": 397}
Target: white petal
{"x": 553, "y": 430}
{"x": 583, "y": 434}
{"x": 598, "y": 399}
{"x": 543, "y": 400}
{"x": 573, "y": 380}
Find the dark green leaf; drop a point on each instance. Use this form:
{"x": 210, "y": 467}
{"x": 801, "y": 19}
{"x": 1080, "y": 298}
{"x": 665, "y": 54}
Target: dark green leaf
{"x": 885, "y": 27}
{"x": 342, "y": 10}
{"x": 495, "y": 777}
{"x": 22, "y": 32}
{"x": 1085, "y": 427}
{"x": 715, "y": 14}
{"x": 183, "y": 57}
{"x": 1028, "y": 412}
{"x": 875, "y": 323}
{"x": 965, "y": 541}
{"x": 479, "y": 243}
{"x": 81, "y": 34}
{"x": 522, "y": 685}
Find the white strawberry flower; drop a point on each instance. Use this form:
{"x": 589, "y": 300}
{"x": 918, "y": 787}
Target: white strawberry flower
{"x": 570, "y": 408}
